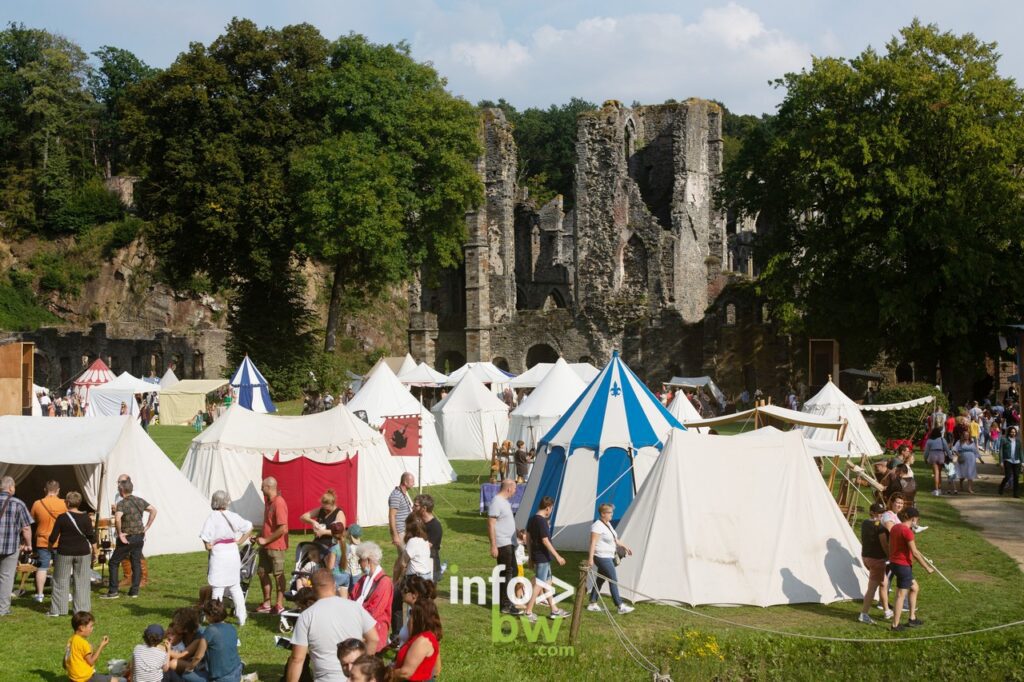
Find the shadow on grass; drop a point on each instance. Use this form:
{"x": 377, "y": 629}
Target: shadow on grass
{"x": 48, "y": 675}
{"x": 470, "y": 523}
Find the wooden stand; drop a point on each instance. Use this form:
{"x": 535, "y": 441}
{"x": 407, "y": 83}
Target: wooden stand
{"x": 577, "y": 605}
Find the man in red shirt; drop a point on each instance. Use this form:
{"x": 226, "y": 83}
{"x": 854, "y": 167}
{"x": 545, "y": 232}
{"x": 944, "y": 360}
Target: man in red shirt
{"x": 273, "y": 542}
{"x": 902, "y": 553}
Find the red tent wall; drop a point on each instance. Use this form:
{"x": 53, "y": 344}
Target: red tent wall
{"x": 302, "y": 482}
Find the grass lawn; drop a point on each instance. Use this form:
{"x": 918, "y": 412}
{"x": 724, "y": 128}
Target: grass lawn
{"x": 693, "y": 647}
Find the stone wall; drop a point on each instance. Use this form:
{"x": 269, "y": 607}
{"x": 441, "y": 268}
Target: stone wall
{"x": 61, "y": 355}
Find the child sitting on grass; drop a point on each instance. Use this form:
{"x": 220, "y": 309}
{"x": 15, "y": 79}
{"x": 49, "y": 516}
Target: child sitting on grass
{"x": 150, "y": 660}
{"x": 79, "y": 657}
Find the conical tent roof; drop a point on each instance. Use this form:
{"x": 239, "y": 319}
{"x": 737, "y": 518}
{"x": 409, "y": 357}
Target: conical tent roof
{"x": 408, "y": 365}
{"x": 601, "y": 450}
{"x": 470, "y": 420}
{"x": 168, "y": 379}
{"x": 253, "y": 389}
{"x": 682, "y": 409}
{"x": 778, "y": 537}
{"x": 486, "y": 372}
{"x": 229, "y": 456}
{"x": 383, "y": 395}
{"x": 533, "y": 377}
{"x": 540, "y": 410}
{"x": 97, "y": 373}
{"x": 831, "y": 402}
{"x": 422, "y": 375}
{"x": 127, "y": 382}
{"x": 616, "y": 410}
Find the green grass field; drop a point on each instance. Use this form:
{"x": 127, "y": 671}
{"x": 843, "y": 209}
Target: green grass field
{"x": 690, "y": 644}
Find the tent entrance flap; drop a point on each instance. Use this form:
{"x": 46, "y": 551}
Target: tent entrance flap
{"x": 31, "y": 483}
{"x": 302, "y": 482}
{"x": 615, "y": 482}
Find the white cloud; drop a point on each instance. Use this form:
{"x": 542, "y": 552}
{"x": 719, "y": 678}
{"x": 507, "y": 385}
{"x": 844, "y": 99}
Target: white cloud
{"x": 727, "y": 53}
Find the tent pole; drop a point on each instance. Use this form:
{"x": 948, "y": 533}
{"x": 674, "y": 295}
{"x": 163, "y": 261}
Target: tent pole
{"x": 419, "y": 473}
{"x": 632, "y": 469}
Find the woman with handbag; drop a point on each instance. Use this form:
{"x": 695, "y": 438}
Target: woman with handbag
{"x": 606, "y": 550}
{"x": 74, "y": 537}
{"x": 221, "y": 534}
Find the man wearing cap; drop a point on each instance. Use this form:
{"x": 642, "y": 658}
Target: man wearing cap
{"x": 149, "y": 659}
{"x": 874, "y": 543}
{"x": 902, "y": 553}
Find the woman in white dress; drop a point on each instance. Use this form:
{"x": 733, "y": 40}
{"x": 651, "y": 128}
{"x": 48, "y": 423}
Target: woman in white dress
{"x": 221, "y": 533}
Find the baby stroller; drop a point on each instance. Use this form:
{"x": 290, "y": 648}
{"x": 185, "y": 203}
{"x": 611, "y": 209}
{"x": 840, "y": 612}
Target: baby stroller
{"x": 291, "y": 614}
{"x": 249, "y": 556}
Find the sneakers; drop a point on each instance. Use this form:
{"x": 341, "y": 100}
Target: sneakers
{"x": 624, "y": 609}
{"x": 915, "y": 622}
{"x": 532, "y": 617}
{"x": 865, "y": 618}
{"x": 593, "y": 606}
{"x": 937, "y": 493}
{"x": 897, "y": 628}
{"x": 38, "y": 598}
{"x": 558, "y": 613}
{"x": 109, "y": 595}
{"x": 133, "y": 596}
{"x": 265, "y": 607}
{"x": 918, "y": 529}
{"x": 54, "y": 615}
{"x": 512, "y": 611}
{"x": 888, "y": 614}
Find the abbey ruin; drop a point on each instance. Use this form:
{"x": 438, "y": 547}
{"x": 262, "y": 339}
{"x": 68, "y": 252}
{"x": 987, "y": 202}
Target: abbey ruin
{"x": 644, "y": 262}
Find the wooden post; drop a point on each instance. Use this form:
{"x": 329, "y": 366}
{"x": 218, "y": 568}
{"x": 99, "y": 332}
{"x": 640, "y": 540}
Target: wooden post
{"x": 577, "y": 606}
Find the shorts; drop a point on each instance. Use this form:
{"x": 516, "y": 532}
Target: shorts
{"x": 45, "y": 558}
{"x": 904, "y": 576}
{"x": 543, "y": 571}
{"x": 876, "y": 568}
{"x": 272, "y": 561}
{"x": 343, "y": 579}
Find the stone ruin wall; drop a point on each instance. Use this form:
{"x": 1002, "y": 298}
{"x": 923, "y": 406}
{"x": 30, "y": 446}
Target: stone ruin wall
{"x": 637, "y": 265}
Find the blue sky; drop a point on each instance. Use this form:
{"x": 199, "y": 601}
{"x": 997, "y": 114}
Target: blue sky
{"x": 535, "y": 53}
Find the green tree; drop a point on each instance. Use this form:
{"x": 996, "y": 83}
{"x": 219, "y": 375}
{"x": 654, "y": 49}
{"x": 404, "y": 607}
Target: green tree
{"x": 109, "y": 83}
{"x": 892, "y": 189}
{"x": 387, "y": 188}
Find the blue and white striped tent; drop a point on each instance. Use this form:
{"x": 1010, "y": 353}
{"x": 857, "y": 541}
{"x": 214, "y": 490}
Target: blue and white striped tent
{"x": 601, "y": 450}
{"x": 251, "y": 388}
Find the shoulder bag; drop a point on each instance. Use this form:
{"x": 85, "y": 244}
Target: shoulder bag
{"x": 620, "y": 551}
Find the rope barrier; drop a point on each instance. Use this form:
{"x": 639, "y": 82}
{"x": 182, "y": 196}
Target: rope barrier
{"x": 821, "y": 638}
{"x": 631, "y": 648}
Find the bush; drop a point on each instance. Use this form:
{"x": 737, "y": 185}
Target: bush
{"x": 905, "y": 423}
{"x": 91, "y": 204}
{"x": 57, "y": 273}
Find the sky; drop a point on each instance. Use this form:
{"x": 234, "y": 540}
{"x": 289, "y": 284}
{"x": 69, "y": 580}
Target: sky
{"x": 542, "y": 52}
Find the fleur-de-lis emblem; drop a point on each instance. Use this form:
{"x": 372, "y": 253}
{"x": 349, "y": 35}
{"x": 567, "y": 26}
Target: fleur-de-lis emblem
{"x": 616, "y": 390}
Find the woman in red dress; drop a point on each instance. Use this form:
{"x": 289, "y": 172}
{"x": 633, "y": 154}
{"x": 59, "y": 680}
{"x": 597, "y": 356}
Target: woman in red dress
{"x": 419, "y": 659}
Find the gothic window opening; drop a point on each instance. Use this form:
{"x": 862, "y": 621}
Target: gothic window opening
{"x": 730, "y": 315}
{"x": 554, "y": 300}
{"x": 542, "y": 352}
{"x": 634, "y": 264}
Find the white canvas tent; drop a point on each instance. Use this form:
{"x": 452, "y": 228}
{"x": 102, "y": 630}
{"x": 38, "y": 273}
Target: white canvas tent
{"x": 682, "y": 409}
{"x": 778, "y": 537}
{"x": 383, "y": 395}
{"x": 533, "y": 377}
{"x": 540, "y": 410}
{"x": 229, "y": 456}
{"x": 422, "y": 375}
{"x": 833, "y": 403}
{"x": 486, "y": 372}
{"x": 105, "y": 400}
{"x": 168, "y": 379}
{"x": 180, "y": 403}
{"x": 99, "y": 450}
{"x": 470, "y": 420}
{"x": 699, "y": 382}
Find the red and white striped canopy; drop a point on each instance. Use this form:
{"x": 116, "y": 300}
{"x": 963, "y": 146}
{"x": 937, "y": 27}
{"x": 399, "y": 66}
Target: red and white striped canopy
{"x": 98, "y": 373}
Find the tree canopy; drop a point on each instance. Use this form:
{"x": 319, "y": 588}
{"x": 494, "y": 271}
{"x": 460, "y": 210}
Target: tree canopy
{"x": 891, "y": 188}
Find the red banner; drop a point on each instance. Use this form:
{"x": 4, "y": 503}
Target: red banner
{"x": 403, "y": 435}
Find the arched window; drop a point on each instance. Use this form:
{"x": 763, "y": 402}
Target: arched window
{"x": 634, "y": 264}
{"x": 730, "y": 315}
{"x": 501, "y": 363}
{"x": 451, "y": 360}
{"x": 542, "y": 352}
{"x": 554, "y": 300}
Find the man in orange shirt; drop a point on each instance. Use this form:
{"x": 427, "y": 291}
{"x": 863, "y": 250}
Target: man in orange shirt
{"x": 273, "y": 542}
{"x": 44, "y": 513}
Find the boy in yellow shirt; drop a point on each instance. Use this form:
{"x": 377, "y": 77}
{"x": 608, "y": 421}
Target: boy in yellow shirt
{"x": 79, "y": 657}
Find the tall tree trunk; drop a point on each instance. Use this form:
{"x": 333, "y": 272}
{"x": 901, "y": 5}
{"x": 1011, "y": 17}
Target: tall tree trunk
{"x": 334, "y": 309}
